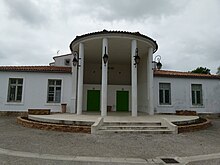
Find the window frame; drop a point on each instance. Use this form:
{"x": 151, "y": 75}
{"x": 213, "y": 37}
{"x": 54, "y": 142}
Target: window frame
{"x": 67, "y": 63}
{"x": 196, "y": 104}
{"x": 54, "y": 93}
{"x": 164, "y": 95}
{"x": 15, "y": 101}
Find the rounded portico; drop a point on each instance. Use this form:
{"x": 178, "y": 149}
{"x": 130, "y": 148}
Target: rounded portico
{"x": 112, "y": 71}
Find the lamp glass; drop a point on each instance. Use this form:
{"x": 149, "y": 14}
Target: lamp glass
{"x": 159, "y": 65}
{"x": 105, "y": 58}
{"x": 75, "y": 61}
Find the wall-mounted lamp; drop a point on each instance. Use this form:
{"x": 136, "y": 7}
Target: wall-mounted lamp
{"x": 156, "y": 63}
{"x": 105, "y": 57}
{"x": 75, "y": 60}
{"x": 136, "y": 58}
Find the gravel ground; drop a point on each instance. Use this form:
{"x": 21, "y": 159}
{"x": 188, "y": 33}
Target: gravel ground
{"x": 18, "y": 138}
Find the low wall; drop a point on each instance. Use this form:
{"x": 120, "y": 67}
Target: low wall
{"x": 13, "y": 113}
{"x": 194, "y": 127}
{"x": 54, "y": 127}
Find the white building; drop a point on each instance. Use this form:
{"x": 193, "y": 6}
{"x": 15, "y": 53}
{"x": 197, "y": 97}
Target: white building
{"x": 112, "y": 71}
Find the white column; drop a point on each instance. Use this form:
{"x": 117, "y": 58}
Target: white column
{"x": 150, "y": 82}
{"x": 74, "y": 84}
{"x": 133, "y": 80}
{"x": 80, "y": 79}
{"x": 104, "y": 79}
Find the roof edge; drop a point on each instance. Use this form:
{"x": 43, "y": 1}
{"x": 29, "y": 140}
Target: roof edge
{"x": 112, "y": 32}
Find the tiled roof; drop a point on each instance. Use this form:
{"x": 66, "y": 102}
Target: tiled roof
{"x": 113, "y": 32}
{"x": 177, "y": 74}
{"x": 48, "y": 69}
{"x": 60, "y": 69}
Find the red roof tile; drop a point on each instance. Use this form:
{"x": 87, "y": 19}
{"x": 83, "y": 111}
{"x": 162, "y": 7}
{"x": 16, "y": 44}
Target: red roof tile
{"x": 48, "y": 69}
{"x": 177, "y": 74}
{"x": 60, "y": 69}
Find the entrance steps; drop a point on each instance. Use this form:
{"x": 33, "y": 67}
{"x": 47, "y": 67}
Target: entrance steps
{"x": 154, "y": 127}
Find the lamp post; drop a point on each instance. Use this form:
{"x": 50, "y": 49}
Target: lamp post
{"x": 75, "y": 60}
{"x": 105, "y": 57}
{"x": 157, "y": 64}
{"x": 136, "y": 58}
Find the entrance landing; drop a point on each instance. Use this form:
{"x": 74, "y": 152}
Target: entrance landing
{"x": 118, "y": 122}
{"x": 112, "y": 117}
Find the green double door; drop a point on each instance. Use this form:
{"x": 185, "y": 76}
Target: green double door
{"x": 93, "y": 100}
{"x": 122, "y": 101}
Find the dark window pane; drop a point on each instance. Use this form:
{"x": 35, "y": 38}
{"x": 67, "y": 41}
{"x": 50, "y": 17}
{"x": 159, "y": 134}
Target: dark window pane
{"x": 193, "y": 97}
{"x": 198, "y": 97}
{"x": 161, "y": 96}
{"x": 20, "y": 81}
{"x": 167, "y": 96}
{"x": 19, "y": 93}
{"x": 58, "y": 82}
{"x": 51, "y": 82}
{"x": 51, "y": 89}
{"x": 12, "y": 93}
{"x": 12, "y": 81}
{"x": 50, "y": 98}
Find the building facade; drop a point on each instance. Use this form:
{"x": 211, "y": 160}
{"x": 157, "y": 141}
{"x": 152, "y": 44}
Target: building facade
{"x": 107, "y": 71}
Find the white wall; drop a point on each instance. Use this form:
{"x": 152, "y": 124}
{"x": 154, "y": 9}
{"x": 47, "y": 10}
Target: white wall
{"x": 60, "y": 61}
{"x": 181, "y": 95}
{"x": 34, "y": 90}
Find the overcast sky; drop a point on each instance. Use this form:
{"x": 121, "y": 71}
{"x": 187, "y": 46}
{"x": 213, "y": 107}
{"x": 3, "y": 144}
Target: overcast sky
{"x": 187, "y": 31}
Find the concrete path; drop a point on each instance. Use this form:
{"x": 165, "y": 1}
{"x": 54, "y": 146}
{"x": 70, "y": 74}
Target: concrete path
{"x": 107, "y": 160}
{"x": 24, "y": 146}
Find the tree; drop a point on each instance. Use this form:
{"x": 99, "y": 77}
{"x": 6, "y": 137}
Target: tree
{"x": 218, "y": 71}
{"x": 201, "y": 70}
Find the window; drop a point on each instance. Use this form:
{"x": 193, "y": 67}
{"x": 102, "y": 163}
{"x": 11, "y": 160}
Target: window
{"x": 67, "y": 62}
{"x": 54, "y": 91}
{"x": 164, "y": 94}
{"x": 196, "y": 94}
{"x": 15, "y": 87}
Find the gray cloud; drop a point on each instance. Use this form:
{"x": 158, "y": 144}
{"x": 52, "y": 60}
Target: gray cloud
{"x": 130, "y": 10}
{"x": 26, "y": 11}
{"x": 187, "y": 31}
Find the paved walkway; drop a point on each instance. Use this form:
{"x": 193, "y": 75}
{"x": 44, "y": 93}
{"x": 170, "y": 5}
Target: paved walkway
{"x": 24, "y": 146}
{"x": 108, "y": 160}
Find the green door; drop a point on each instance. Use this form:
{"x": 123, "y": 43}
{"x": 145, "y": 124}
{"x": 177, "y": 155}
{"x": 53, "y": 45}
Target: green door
{"x": 122, "y": 101}
{"x": 93, "y": 100}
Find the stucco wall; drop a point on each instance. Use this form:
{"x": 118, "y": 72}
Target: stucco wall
{"x": 60, "y": 61}
{"x": 34, "y": 90}
{"x": 181, "y": 95}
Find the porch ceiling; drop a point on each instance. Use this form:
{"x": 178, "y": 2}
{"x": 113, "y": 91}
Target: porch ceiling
{"x": 119, "y": 50}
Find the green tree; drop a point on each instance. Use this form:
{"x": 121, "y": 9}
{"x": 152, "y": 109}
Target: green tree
{"x": 201, "y": 70}
{"x": 218, "y": 71}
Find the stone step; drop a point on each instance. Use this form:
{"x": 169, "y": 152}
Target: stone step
{"x": 133, "y": 127}
{"x": 132, "y": 124}
{"x": 159, "y": 131}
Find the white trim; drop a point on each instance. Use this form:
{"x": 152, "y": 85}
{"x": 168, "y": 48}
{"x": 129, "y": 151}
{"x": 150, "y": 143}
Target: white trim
{"x": 61, "y": 95}
{"x": 115, "y": 35}
{"x": 22, "y": 98}
{"x": 190, "y": 93}
{"x": 171, "y": 95}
